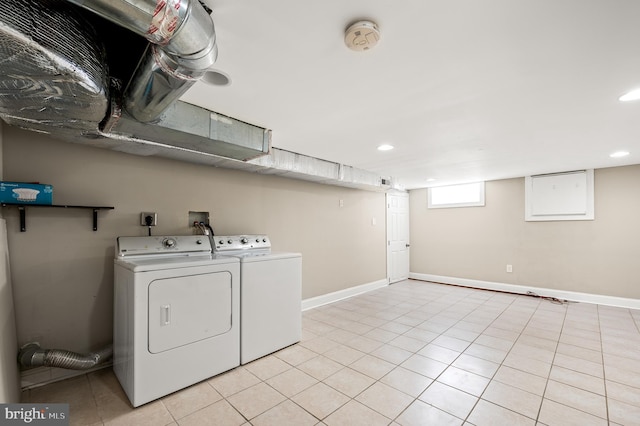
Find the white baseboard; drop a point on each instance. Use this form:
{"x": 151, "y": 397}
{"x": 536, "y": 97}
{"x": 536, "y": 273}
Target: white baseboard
{"x": 599, "y": 299}
{"x": 314, "y": 302}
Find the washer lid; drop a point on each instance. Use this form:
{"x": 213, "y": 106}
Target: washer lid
{"x": 156, "y": 263}
{"x": 265, "y": 257}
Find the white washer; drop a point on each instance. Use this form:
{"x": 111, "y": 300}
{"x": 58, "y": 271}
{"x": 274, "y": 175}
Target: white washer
{"x": 176, "y": 314}
{"x": 270, "y": 294}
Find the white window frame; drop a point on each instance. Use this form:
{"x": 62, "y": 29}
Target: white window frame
{"x": 476, "y": 202}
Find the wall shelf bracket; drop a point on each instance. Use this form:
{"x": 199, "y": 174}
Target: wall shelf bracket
{"x": 22, "y": 209}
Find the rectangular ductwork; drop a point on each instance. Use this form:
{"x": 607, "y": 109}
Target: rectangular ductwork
{"x": 189, "y": 128}
{"x": 292, "y": 164}
{"x": 359, "y": 178}
{"x": 299, "y": 166}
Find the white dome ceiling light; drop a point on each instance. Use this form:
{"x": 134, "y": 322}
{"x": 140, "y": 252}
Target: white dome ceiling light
{"x": 362, "y": 35}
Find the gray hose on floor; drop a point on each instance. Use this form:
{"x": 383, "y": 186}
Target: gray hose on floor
{"x": 32, "y": 355}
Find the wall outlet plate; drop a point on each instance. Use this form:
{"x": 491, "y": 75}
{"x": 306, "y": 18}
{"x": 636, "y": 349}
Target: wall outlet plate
{"x": 143, "y": 218}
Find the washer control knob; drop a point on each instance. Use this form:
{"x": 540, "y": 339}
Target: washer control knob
{"x": 264, "y": 240}
{"x": 257, "y": 240}
{"x": 198, "y": 241}
{"x": 244, "y": 240}
{"x": 221, "y": 242}
{"x": 230, "y": 241}
{"x": 169, "y": 242}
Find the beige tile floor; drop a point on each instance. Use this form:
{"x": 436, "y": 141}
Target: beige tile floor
{"x": 413, "y": 353}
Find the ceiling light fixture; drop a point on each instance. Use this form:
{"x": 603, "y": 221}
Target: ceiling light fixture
{"x": 633, "y": 95}
{"x": 619, "y": 154}
{"x": 385, "y": 147}
{"x": 362, "y": 35}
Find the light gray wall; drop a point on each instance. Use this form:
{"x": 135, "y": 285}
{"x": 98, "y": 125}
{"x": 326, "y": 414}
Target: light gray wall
{"x": 596, "y": 257}
{"x": 9, "y": 383}
{"x": 63, "y": 271}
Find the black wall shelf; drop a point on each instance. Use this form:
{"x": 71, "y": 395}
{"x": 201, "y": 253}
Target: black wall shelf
{"x": 22, "y": 208}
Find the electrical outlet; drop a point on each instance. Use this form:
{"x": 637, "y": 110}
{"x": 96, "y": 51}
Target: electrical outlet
{"x": 509, "y": 268}
{"x": 150, "y": 217}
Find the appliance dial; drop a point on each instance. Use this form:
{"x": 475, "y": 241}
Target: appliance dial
{"x": 230, "y": 241}
{"x": 169, "y": 242}
{"x": 198, "y": 241}
{"x": 264, "y": 240}
{"x": 244, "y": 240}
{"x": 257, "y": 240}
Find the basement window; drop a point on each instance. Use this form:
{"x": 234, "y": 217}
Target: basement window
{"x": 560, "y": 196}
{"x": 465, "y": 195}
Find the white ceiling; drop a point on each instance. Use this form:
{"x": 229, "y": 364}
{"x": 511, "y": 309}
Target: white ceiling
{"x": 465, "y": 90}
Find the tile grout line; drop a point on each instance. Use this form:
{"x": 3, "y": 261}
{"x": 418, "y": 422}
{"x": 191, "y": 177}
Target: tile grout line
{"x": 417, "y": 398}
{"x": 604, "y": 370}
{"x": 501, "y": 362}
{"x": 414, "y": 353}
{"x": 457, "y": 357}
{"x": 544, "y": 392}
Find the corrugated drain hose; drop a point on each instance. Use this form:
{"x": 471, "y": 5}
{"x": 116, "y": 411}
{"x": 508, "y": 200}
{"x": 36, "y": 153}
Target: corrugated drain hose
{"x": 32, "y": 355}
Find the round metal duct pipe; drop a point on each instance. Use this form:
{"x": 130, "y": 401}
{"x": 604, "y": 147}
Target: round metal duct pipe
{"x": 184, "y": 48}
{"x": 32, "y": 355}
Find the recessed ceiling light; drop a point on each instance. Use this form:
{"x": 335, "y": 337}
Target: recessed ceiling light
{"x": 385, "y": 147}
{"x": 619, "y": 154}
{"x": 633, "y": 95}
{"x": 431, "y": 180}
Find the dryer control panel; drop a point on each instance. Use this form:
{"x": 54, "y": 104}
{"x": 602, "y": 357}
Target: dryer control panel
{"x": 162, "y": 245}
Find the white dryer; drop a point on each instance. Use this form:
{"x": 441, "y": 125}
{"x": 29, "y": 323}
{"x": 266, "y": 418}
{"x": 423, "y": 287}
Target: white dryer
{"x": 176, "y": 314}
{"x": 270, "y": 294}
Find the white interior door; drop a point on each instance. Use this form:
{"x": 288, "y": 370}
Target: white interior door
{"x": 398, "y": 237}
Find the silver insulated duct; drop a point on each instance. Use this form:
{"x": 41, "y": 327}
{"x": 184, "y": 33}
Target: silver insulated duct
{"x": 32, "y": 355}
{"x": 58, "y": 76}
{"x": 53, "y": 75}
{"x": 183, "y": 48}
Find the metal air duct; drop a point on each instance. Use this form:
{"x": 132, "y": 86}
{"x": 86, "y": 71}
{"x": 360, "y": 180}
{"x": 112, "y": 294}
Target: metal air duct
{"x": 57, "y": 76}
{"x": 53, "y": 73}
{"x": 54, "y": 78}
{"x": 32, "y": 355}
{"x": 188, "y": 129}
{"x": 183, "y": 48}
